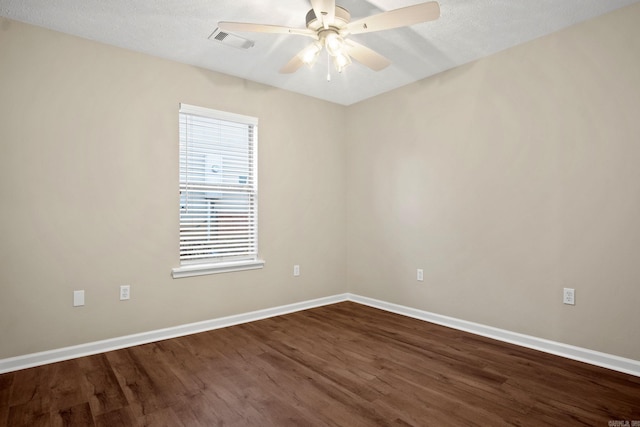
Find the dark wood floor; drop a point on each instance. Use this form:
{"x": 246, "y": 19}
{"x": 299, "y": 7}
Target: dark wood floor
{"x": 344, "y": 364}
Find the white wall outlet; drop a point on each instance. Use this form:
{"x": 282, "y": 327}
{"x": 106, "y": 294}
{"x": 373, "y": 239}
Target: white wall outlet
{"x": 569, "y": 296}
{"x": 420, "y": 275}
{"x": 125, "y": 292}
{"x": 296, "y": 270}
{"x": 78, "y": 298}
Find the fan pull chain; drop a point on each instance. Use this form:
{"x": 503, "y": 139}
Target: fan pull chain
{"x": 328, "y": 67}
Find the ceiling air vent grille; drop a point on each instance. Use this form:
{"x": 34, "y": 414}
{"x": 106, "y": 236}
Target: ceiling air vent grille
{"x": 231, "y": 39}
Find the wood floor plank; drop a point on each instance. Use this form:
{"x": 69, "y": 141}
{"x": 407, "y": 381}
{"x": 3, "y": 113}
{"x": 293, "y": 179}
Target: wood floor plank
{"x": 79, "y": 415}
{"x": 32, "y": 413}
{"x": 31, "y": 385}
{"x": 340, "y": 365}
{"x": 146, "y": 381}
{"x": 6, "y": 383}
{"x": 66, "y": 387}
{"x": 122, "y": 417}
{"x": 103, "y": 390}
{"x": 200, "y": 411}
{"x": 30, "y": 399}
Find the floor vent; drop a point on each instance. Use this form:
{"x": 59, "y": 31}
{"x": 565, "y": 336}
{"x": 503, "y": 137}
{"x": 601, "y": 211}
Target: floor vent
{"x": 231, "y": 39}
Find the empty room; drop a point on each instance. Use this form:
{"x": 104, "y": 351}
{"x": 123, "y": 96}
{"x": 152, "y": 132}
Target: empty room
{"x": 307, "y": 213}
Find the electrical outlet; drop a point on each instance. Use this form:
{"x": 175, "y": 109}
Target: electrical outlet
{"x": 420, "y": 275}
{"x": 125, "y": 292}
{"x": 78, "y": 298}
{"x": 296, "y": 270}
{"x": 569, "y": 296}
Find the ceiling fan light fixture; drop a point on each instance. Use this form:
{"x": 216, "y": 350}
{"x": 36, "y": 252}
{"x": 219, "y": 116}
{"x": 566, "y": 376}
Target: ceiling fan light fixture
{"x": 341, "y": 61}
{"x": 310, "y": 55}
{"x": 334, "y": 44}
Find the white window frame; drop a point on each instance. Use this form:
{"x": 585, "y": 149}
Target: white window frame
{"x": 214, "y": 265}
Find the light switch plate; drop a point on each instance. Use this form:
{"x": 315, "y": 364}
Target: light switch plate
{"x": 78, "y": 298}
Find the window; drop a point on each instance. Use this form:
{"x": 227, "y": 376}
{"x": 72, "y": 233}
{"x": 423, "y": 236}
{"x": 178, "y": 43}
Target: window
{"x": 218, "y": 192}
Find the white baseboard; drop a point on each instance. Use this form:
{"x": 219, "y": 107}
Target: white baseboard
{"x": 616, "y": 363}
{"x": 66, "y": 353}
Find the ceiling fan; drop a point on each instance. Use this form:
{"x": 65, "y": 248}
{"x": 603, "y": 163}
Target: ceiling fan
{"x": 330, "y": 25}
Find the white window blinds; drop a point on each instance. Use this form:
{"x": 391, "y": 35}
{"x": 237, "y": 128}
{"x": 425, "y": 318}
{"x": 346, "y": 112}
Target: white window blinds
{"x": 218, "y": 186}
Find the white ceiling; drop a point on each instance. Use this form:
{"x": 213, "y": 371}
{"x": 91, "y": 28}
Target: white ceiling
{"x": 179, "y": 29}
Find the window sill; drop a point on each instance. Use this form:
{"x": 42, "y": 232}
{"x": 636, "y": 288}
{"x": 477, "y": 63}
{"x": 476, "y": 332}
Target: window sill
{"x": 222, "y": 267}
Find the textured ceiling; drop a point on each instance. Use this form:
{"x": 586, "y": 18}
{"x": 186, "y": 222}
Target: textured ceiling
{"x": 179, "y": 29}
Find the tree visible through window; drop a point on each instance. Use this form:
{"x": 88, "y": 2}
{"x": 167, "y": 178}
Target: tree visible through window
{"x": 218, "y": 187}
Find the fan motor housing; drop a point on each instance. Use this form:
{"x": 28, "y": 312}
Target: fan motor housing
{"x": 342, "y": 18}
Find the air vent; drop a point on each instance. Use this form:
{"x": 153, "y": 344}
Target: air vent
{"x": 231, "y": 39}
{"x": 221, "y": 36}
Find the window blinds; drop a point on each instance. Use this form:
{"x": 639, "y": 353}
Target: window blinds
{"x": 218, "y": 187}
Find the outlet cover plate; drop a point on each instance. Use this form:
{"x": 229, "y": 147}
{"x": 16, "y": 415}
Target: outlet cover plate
{"x": 569, "y": 296}
{"x": 125, "y": 292}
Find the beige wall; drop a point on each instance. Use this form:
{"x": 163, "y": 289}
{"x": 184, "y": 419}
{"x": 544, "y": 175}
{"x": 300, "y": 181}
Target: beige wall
{"x": 507, "y": 180}
{"x": 89, "y": 193}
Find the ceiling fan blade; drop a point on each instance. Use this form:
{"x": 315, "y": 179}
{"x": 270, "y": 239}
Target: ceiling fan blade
{"x": 262, "y": 28}
{"x": 325, "y": 11}
{"x": 366, "y": 56}
{"x": 293, "y": 65}
{"x": 402, "y": 17}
